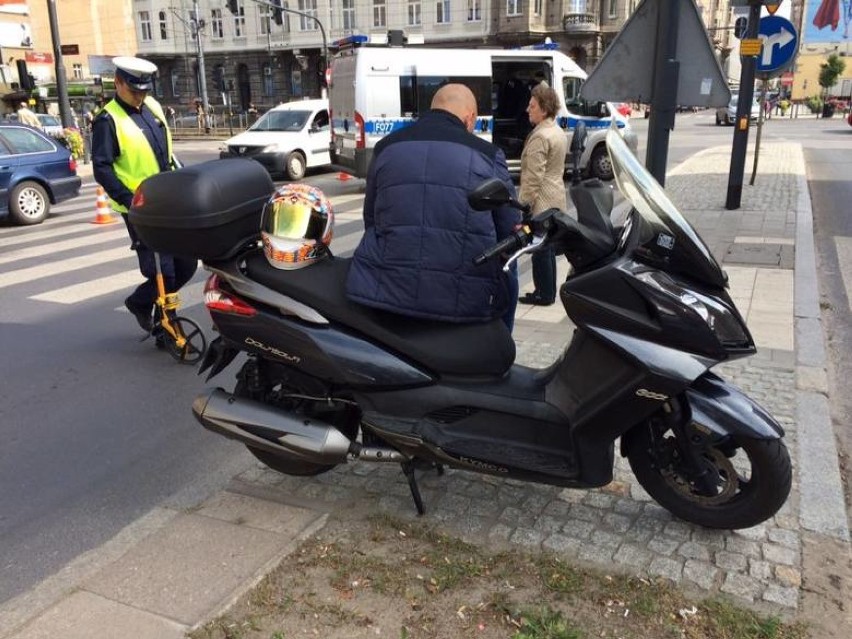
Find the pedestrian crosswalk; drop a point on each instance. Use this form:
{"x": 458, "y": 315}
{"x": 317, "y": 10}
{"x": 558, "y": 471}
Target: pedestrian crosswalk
{"x": 68, "y": 261}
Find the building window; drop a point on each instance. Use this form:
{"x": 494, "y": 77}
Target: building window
{"x": 576, "y": 6}
{"x": 537, "y": 7}
{"x": 379, "y": 13}
{"x": 414, "y": 18}
{"x": 264, "y": 12}
{"x": 217, "y": 32}
{"x": 285, "y": 22}
{"x": 240, "y": 20}
{"x": 145, "y": 26}
{"x": 348, "y": 15}
{"x": 513, "y": 7}
{"x": 306, "y": 24}
{"x": 443, "y": 15}
{"x": 77, "y": 70}
{"x": 613, "y": 8}
{"x": 174, "y": 76}
{"x": 164, "y": 33}
{"x": 268, "y": 84}
{"x": 474, "y": 10}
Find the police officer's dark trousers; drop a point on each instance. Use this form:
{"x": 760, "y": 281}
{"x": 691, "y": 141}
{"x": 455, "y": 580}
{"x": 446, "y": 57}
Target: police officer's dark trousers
{"x": 177, "y": 271}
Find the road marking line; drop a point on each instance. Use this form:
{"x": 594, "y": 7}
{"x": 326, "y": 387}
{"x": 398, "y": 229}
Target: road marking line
{"x": 843, "y": 246}
{"x": 91, "y": 289}
{"x": 51, "y": 269}
{"x": 50, "y": 248}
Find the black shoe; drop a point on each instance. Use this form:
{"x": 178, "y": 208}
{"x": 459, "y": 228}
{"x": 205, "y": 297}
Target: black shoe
{"x": 143, "y": 318}
{"x": 535, "y": 300}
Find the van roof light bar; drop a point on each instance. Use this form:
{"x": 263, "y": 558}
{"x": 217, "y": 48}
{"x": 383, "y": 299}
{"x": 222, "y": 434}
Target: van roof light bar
{"x": 547, "y": 45}
{"x": 350, "y": 42}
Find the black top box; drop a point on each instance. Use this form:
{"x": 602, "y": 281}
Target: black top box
{"x": 207, "y": 211}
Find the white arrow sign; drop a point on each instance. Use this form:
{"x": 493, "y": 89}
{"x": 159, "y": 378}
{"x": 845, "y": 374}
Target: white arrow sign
{"x": 780, "y": 39}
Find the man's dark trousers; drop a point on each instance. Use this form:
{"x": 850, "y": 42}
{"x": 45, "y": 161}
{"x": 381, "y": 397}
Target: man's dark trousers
{"x": 544, "y": 275}
{"x": 177, "y": 271}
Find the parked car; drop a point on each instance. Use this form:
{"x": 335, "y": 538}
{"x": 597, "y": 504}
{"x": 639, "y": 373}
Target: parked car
{"x": 50, "y": 124}
{"x": 728, "y": 114}
{"x": 287, "y": 139}
{"x": 849, "y": 118}
{"x": 35, "y": 172}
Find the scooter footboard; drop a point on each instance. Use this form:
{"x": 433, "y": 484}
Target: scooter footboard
{"x": 719, "y": 408}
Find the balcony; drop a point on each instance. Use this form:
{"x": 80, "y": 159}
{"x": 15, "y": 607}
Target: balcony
{"x": 580, "y": 23}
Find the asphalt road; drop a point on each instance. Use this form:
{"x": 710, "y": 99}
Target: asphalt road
{"x": 96, "y": 427}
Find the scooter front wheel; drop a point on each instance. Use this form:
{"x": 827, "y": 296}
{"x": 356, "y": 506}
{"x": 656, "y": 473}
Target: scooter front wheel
{"x": 752, "y": 477}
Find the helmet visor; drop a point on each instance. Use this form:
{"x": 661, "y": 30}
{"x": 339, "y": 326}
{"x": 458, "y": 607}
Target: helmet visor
{"x": 289, "y": 220}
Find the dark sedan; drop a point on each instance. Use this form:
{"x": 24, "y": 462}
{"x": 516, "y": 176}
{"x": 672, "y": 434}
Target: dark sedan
{"x": 35, "y": 172}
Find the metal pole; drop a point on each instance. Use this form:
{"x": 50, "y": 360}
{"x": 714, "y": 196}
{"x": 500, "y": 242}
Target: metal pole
{"x": 664, "y": 100}
{"x": 760, "y": 120}
{"x": 202, "y": 73}
{"x": 59, "y": 66}
{"x": 746, "y": 97}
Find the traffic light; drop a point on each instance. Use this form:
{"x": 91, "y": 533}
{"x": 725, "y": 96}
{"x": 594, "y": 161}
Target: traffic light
{"x": 233, "y": 6}
{"x": 278, "y": 14}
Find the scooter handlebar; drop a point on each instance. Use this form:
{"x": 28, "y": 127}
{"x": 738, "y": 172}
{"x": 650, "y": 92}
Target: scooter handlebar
{"x": 515, "y": 241}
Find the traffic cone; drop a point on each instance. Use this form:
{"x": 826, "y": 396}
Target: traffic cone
{"x": 103, "y": 214}
{"x": 343, "y": 177}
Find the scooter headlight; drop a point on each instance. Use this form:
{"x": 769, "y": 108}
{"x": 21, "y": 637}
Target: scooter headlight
{"x": 723, "y": 321}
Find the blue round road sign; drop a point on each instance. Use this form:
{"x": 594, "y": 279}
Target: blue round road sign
{"x": 780, "y": 44}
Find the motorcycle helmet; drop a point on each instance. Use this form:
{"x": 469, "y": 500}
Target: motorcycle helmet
{"x": 296, "y": 226}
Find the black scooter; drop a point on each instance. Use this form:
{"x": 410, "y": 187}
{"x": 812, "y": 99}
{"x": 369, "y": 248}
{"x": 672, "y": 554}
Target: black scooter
{"x": 328, "y": 381}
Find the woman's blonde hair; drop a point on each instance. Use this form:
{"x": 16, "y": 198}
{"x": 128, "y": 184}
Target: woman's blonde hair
{"x": 547, "y": 99}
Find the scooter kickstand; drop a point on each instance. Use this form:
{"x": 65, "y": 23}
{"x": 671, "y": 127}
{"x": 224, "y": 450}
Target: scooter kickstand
{"x": 408, "y": 469}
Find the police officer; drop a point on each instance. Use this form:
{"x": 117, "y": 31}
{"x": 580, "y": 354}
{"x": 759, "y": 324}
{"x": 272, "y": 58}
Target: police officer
{"x": 131, "y": 141}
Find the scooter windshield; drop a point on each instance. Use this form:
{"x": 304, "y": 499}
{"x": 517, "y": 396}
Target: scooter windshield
{"x": 666, "y": 239}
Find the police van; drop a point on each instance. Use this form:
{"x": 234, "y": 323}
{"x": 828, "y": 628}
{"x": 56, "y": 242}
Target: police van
{"x": 375, "y": 90}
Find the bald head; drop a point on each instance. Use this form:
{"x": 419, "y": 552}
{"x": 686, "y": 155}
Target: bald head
{"x": 458, "y": 100}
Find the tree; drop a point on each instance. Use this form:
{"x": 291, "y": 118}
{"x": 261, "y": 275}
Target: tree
{"x": 830, "y": 71}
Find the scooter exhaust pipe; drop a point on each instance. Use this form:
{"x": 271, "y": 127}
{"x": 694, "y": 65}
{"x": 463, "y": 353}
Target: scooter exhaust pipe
{"x": 261, "y": 426}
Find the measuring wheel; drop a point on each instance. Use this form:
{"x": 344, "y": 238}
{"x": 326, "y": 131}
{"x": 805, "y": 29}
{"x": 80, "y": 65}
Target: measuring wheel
{"x": 194, "y": 345}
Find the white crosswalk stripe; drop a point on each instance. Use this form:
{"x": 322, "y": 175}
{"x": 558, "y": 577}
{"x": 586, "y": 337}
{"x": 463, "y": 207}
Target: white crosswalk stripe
{"x": 49, "y": 248}
{"x": 20, "y": 276}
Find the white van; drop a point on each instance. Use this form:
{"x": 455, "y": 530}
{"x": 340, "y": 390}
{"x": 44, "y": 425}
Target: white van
{"x": 374, "y": 90}
{"x": 286, "y": 139}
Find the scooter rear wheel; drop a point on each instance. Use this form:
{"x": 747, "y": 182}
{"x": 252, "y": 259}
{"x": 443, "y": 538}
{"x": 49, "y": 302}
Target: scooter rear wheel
{"x": 753, "y": 478}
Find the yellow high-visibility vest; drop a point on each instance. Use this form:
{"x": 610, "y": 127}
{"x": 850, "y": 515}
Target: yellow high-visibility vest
{"x": 136, "y": 160}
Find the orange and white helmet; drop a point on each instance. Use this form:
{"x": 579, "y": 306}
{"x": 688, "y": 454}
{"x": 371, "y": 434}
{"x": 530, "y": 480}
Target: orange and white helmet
{"x": 296, "y": 226}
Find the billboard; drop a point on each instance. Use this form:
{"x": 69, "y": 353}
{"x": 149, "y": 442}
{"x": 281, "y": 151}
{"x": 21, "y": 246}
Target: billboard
{"x": 15, "y": 35}
{"x": 827, "y": 22}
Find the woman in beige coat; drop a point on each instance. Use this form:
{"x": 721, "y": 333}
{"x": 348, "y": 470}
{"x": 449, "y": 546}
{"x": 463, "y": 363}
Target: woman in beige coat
{"x": 542, "y": 185}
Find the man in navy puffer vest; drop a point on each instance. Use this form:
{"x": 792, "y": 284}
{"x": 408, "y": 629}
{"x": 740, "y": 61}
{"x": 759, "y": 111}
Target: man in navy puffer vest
{"x": 420, "y": 236}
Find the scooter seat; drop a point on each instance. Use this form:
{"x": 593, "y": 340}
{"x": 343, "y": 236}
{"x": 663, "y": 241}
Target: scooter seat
{"x": 442, "y": 347}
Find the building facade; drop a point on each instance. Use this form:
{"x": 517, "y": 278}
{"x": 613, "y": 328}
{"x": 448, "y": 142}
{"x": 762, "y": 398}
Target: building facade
{"x": 252, "y": 58}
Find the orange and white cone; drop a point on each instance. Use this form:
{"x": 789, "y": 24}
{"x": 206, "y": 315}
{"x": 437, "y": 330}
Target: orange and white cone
{"x": 103, "y": 214}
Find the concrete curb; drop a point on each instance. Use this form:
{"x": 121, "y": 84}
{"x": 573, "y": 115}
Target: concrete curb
{"x": 822, "y": 508}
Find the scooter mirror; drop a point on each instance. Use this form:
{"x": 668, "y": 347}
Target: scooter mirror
{"x": 489, "y": 195}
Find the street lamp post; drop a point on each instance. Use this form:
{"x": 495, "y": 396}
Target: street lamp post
{"x": 197, "y": 25}
{"x": 59, "y": 66}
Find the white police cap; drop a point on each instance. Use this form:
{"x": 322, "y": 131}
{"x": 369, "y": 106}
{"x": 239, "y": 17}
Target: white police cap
{"x": 136, "y": 72}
